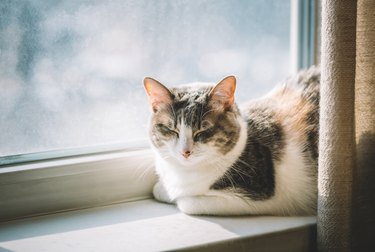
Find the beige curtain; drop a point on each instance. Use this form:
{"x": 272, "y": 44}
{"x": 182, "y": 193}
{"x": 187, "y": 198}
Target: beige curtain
{"x": 346, "y": 179}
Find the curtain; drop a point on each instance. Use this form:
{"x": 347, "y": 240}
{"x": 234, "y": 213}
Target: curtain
{"x": 346, "y": 178}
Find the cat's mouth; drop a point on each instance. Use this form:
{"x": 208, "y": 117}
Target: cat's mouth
{"x": 190, "y": 160}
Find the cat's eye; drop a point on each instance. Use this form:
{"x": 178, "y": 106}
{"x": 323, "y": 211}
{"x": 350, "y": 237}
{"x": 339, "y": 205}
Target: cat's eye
{"x": 202, "y": 135}
{"x": 166, "y": 130}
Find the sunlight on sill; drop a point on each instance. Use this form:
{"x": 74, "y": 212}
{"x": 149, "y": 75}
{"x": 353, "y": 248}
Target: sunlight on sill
{"x": 150, "y": 226}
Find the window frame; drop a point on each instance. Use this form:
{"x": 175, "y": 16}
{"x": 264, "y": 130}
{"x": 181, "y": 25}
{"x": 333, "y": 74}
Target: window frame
{"x": 71, "y": 183}
{"x": 72, "y": 152}
{"x": 304, "y": 37}
{"x": 56, "y": 181}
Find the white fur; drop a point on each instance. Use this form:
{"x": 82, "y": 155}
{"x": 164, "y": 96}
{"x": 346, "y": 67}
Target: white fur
{"x": 187, "y": 182}
{"x": 182, "y": 178}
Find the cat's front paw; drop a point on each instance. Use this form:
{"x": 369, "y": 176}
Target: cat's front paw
{"x": 190, "y": 205}
{"x": 160, "y": 193}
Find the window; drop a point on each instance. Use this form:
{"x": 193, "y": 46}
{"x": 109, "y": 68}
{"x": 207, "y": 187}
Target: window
{"x": 71, "y": 83}
{"x": 71, "y": 71}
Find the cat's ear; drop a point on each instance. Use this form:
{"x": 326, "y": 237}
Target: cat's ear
{"x": 221, "y": 96}
{"x": 158, "y": 94}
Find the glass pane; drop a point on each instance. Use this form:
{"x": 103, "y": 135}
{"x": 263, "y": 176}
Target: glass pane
{"x": 71, "y": 72}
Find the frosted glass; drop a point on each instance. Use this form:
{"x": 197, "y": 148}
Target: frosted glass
{"x": 71, "y": 71}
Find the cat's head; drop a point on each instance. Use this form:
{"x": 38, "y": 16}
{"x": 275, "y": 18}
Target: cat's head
{"x": 193, "y": 124}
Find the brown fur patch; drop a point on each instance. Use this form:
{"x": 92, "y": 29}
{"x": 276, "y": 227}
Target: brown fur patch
{"x": 291, "y": 113}
{"x": 297, "y": 110}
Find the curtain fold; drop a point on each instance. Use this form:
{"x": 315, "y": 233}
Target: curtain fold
{"x": 346, "y": 178}
{"x": 364, "y": 175}
{"x": 336, "y": 146}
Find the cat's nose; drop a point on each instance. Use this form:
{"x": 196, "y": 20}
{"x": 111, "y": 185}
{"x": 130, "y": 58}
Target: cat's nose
{"x": 186, "y": 153}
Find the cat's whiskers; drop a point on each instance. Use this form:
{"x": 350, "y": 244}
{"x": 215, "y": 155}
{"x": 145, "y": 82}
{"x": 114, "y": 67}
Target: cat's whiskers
{"x": 145, "y": 172}
{"x": 247, "y": 164}
{"x": 243, "y": 175}
{"x": 231, "y": 180}
{"x": 164, "y": 154}
{"x": 240, "y": 173}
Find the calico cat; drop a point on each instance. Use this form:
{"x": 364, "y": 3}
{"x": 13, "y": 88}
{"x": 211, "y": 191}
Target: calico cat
{"x": 213, "y": 158}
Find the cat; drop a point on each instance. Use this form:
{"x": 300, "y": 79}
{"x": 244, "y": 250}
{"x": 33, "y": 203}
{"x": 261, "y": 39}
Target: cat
{"x": 215, "y": 158}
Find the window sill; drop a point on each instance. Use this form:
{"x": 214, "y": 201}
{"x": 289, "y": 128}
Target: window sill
{"x": 147, "y": 225}
{"x": 71, "y": 183}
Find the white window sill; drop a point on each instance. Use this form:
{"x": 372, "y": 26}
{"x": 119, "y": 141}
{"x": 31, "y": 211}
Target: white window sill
{"x": 71, "y": 183}
{"x": 146, "y": 225}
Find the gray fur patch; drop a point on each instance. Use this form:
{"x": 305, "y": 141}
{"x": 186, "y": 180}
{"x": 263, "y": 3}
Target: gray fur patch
{"x": 252, "y": 175}
{"x": 253, "y": 172}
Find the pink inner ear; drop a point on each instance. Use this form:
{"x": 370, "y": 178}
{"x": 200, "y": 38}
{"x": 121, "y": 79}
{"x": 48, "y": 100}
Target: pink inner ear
{"x": 158, "y": 94}
{"x": 222, "y": 95}
{"x": 158, "y": 100}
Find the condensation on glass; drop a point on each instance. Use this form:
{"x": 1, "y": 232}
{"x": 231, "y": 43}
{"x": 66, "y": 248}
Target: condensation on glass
{"x": 71, "y": 71}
